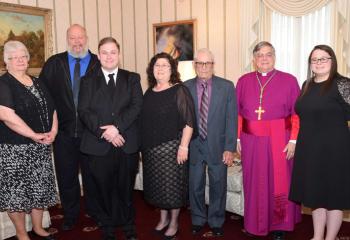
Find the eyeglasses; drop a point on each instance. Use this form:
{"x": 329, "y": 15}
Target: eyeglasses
{"x": 18, "y": 58}
{"x": 267, "y": 55}
{"x": 204, "y": 64}
{"x": 161, "y": 66}
{"x": 321, "y": 60}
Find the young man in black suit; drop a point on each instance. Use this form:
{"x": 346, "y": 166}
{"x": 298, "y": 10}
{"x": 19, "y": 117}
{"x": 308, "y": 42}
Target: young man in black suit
{"x": 110, "y": 101}
{"x": 61, "y": 74}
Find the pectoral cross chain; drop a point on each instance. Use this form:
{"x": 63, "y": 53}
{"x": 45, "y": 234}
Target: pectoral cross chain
{"x": 260, "y": 110}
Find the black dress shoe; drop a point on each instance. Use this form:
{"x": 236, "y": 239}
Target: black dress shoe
{"x": 67, "y": 225}
{"x": 108, "y": 238}
{"x": 130, "y": 234}
{"x": 48, "y": 237}
{"x": 217, "y": 231}
{"x": 131, "y": 238}
{"x": 196, "y": 229}
{"x": 278, "y": 235}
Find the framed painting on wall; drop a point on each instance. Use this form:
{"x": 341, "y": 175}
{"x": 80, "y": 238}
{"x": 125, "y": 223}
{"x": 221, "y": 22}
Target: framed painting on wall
{"x": 31, "y": 26}
{"x": 176, "y": 38}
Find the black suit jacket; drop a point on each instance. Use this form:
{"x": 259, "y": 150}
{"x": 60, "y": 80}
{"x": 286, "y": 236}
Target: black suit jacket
{"x": 96, "y": 108}
{"x": 56, "y": 76}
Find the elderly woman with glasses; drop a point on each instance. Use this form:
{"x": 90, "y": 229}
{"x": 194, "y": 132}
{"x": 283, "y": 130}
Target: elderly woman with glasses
{"x": 321, "y": 176}
{"x": 28, "y": 126}
{"x": 167, "y": 122}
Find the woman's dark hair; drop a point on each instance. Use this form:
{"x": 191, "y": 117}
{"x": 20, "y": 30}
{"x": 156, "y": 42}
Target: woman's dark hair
{"x": 174, "y": 76}
{"x": 333, "y": 74}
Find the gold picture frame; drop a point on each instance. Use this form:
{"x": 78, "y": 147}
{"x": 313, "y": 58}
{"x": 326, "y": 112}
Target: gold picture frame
{"x": 176, "y": 38}
{"x": 30, "y": 25}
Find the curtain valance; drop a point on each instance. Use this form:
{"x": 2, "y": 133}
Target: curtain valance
{"x": 295, "y": 8}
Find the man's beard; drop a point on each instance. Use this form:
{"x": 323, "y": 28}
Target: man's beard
{"x": 78, "y": 55}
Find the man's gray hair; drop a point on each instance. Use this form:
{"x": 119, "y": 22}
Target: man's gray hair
{"x": 262, "y": 44}
{"x": 12, "y": 46}
{"x": 205, "y": 51}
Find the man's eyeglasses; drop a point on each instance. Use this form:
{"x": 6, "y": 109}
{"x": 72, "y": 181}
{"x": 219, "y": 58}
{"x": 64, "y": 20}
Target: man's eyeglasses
{"x": 267, "y": 55}
{"x": 321, "y": 60}
{"x": 204, "y": 64}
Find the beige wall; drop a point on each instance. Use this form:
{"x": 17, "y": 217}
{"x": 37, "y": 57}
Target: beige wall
{"x": 130, "y": 22}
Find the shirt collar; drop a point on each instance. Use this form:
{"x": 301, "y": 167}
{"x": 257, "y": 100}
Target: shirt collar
{"x": 83, "y": 59}
{"x": 266, "y": 74}
{"x": 200, "y": 81}
{"x": 106, "y": 73}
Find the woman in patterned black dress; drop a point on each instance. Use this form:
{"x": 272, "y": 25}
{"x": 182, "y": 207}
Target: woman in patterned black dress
{"x": 167, "y": 121}
{"x": 321, "y": 178}
{"x": 28, "y": 125}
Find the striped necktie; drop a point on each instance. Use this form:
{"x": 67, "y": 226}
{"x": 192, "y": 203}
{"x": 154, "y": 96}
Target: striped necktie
{"x": 203, "y": 112}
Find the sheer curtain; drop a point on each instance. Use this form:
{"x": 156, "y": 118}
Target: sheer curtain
{"x": 294, "y": 38}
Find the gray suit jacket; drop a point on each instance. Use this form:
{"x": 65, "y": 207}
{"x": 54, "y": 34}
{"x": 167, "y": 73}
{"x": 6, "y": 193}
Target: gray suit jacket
{"x": 222, "y": 119}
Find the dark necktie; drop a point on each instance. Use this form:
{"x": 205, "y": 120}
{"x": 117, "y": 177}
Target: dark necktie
{"x": 111, "y": 84}
{"x": 203, "y": 112}
{"x": 76, "y": 81}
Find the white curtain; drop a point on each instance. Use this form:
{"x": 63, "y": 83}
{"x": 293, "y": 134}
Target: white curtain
{"x": 294, "y": 38}
{"x": 296, "y": 8}
{"x": 341, "y": 35}
{"x": 249, "y": 32}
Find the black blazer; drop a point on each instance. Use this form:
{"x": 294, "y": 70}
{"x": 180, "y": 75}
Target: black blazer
{"x": 96, "y": 109}
{"x": 56, "y": 76}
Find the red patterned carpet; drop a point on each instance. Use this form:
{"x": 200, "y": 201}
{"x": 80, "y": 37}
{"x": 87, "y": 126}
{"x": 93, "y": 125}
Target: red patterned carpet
{"x": 147, "y": 217}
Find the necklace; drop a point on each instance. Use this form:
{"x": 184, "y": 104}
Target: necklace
{"x": 260, "y": 110}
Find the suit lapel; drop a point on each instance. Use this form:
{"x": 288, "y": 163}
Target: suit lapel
{"x": 193, "y": 90}
{"x": 119, "y": 86}
{"x": 101, "y": 83}
{"x": 67, "y": 79}
{"x": 214, "y": 99}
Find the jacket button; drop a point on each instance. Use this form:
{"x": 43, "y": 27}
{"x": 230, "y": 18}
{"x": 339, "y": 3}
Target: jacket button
{"x": 112, "y": 114}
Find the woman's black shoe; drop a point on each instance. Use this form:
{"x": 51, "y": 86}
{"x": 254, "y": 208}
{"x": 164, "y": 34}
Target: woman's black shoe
{"x": 160, "y": 231}
{"x": 166, "y": 237}
{"x": 48, "y": 237}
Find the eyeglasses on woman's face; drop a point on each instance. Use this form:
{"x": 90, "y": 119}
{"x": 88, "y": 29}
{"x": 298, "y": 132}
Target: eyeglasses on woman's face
{"x": 320, "y": 60}
{"x": 16, "y": 58}
{"x": 161, "y": 66}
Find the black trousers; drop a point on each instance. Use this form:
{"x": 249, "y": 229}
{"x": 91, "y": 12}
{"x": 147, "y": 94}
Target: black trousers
{"x": 114, "y": 175}
{"x": 68, "y": 160}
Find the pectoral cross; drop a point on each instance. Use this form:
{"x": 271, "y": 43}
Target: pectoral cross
{"x": 259, "y": 111}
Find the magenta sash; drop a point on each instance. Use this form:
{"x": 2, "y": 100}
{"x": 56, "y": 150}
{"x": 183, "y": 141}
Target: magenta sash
{"x": 276, "y": 130}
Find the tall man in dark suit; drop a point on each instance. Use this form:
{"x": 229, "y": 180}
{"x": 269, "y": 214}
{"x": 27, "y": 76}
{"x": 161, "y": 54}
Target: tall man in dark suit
{"x": 110, "y": 101}
{"x": 215, "y": 105}
{"x": 61, "y": 74}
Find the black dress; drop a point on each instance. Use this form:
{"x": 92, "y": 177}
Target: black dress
{"x": 163, "y": 117}
{"x": 321, "y": 177}
{"x": 26, "y": 170}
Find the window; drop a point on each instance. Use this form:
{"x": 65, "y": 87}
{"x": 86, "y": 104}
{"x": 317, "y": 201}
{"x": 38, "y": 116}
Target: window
{"x": 294, "y": 38}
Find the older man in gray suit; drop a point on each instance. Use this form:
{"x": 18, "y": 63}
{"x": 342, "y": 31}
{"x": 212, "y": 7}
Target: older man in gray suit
{"x": 215, "y": 105}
